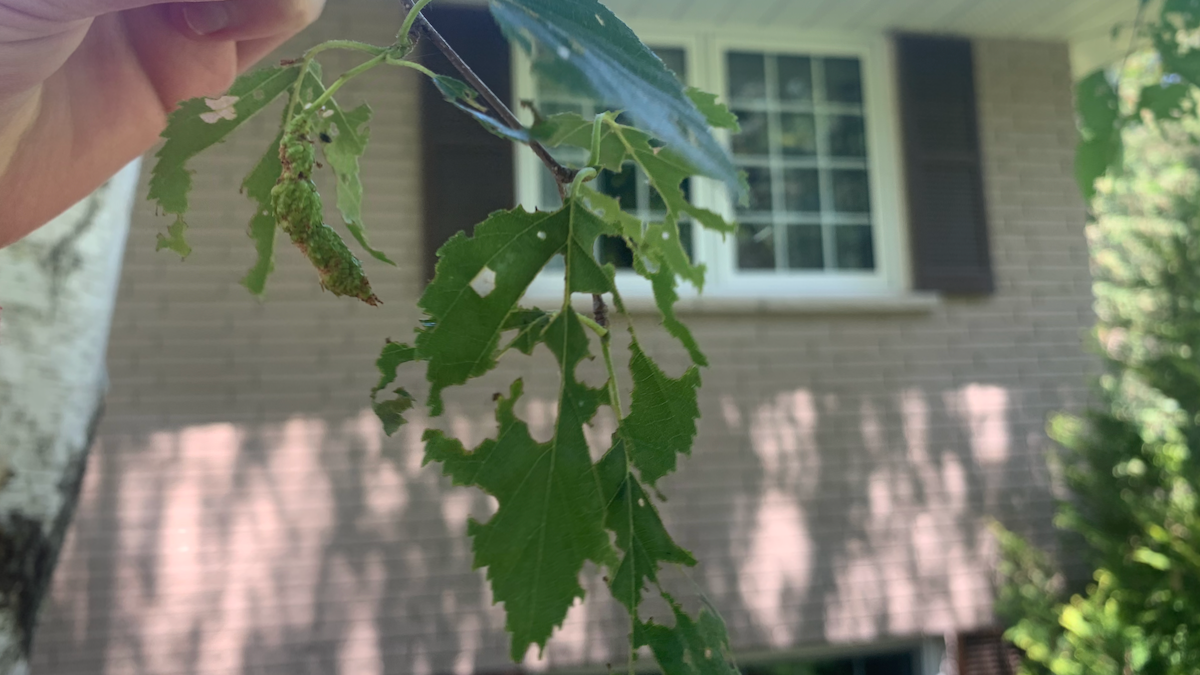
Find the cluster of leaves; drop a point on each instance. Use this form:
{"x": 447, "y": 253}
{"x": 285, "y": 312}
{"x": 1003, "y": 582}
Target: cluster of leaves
{"x": 1131, "y": 463}
{"x": 557, "y": 508}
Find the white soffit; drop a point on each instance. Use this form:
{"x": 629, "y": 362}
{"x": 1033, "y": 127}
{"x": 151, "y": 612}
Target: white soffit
{"x": 1086, "y": 24}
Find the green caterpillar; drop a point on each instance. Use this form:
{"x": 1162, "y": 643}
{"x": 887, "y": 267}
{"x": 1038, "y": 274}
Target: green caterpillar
{"x": 299, "y": 211}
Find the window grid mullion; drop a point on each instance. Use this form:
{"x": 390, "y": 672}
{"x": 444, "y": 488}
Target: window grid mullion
{"x": 775, "y": 155}
{"x": 824, "y": 175}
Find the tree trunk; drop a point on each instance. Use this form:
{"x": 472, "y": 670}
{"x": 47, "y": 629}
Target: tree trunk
{"x": 57, "y": 289}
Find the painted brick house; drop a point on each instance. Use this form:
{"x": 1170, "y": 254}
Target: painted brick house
{"x": 903, "y": 307}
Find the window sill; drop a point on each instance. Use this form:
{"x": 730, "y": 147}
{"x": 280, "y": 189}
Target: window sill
{"x": 900, "y": 303}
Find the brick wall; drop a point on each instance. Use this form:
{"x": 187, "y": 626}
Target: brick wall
{"x": 243, "y": 514}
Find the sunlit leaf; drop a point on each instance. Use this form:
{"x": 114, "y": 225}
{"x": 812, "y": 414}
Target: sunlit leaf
{"x": 480, "y": 279}
{"x": 1165, "y": 101}
{"x": 199, "y": 124}
{"x": 585, "y": 48}
{"x": 550, "y": 518}
{"x": 1099, "y": 129}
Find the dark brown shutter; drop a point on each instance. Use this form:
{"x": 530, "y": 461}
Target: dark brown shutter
{"x": 467, "y": 172}
{"x": 986, "y": 652}
{"x": 947, "y": 214}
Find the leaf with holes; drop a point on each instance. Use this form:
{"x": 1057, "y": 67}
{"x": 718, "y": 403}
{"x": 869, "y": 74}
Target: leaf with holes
{"x": 550, "y": 519}
{"x": 257, "y": 186}
{"x": 198, "y": 125}
{"x": 639, "y": 530}
{"x": 480, "y": 279}
{"x": 662, "y": 415}
{"x": 585, "y": 48}
{"x": 344, "y": 137}
{"x": 391, "y": 411}
{"x": 690, "y": 647}
{"x": 717, "y": 113}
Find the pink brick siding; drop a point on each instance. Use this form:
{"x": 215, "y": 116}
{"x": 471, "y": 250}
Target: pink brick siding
{"x": 242, "y": 512}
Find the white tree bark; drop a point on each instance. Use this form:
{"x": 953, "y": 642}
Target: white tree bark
{"x": 57, "y": 290}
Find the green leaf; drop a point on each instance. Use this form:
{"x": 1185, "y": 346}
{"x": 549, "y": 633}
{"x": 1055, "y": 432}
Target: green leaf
{"x": 1099, "y": 129}
{"x": 257, "y": 186}
{"x": 348, "y": 135}
{"x": 391, "y": 412}
{"x": 663, "y": 283}
{"x": 480, "y": 279}
{"x": 639, "y": 530}
{"x": 573, "y": 130}
{"x": 1165, "y": 101}
{"x": 550, "y": 518}
{"x": 462, "y": 96}
{"x": 662, "y": 415}
{"x": 530, "y": 325}
{"x": 199, "y": 124}
{"x": 717, "y": 114}
{"x": 699, "y": 647}
{"x": 174, "y": 239}
{"x": 1152, "y": 558}
{"x": 585, "y": 48}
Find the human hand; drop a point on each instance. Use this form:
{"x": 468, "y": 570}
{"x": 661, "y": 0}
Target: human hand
{"x": 86, "y": 85}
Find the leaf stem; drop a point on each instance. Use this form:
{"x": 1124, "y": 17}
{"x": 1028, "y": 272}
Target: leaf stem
{"x": 613, "y": 390}
{"x": 409, "y": 20}
{"x": 346, "y": 77}
{"x": 563, "y": 175}
{"x": 414, "y": 65}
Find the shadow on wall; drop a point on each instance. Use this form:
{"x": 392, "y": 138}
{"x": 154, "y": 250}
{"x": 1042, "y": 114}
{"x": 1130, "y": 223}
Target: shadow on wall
{"x": 312, "y": 545}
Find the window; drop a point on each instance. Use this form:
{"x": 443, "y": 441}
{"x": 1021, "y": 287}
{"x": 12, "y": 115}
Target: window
{"x": 803, "y": 147}
{"x": 818, "y": 146}
{"x": 880, "y": 664}
{"x": 629, "y": 186}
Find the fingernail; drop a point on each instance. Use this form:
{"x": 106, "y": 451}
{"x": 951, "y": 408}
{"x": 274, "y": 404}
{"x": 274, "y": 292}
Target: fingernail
{"x": 206, "y": 18}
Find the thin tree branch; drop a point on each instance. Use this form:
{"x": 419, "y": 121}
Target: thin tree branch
{"x": 563, "y": 175}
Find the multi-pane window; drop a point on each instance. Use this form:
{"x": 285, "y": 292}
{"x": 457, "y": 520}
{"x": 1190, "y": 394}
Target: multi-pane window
{"x": 882, "y": 664}
{"x": 629, "y": 186}
{"x": 804, "y": 149}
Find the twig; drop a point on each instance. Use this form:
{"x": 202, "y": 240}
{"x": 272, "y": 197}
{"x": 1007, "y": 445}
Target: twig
{"x": 563, "y": 175}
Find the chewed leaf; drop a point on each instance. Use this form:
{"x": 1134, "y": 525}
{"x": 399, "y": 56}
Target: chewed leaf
{"x": 391, "y": 412}
{"x": 468, "y": 307}
{"x": 663, "y": 283}
{"x": 585, "y": 48}
{"x": 174, "y": 239}
{"x": 690, "y": 647}
{"x": 347, "y": 135}
{"x": 199, "y": 124}
{"x": 639, "y": 530}
{"x": 662, "y": 416}
{"x": 550, "y": 518}
{"x": 717, "y": 114}
{"x": 258, "y": 186}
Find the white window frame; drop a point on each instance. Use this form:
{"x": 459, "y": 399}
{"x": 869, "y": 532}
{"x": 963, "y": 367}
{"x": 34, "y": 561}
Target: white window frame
{"x": 705, "y": 48}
